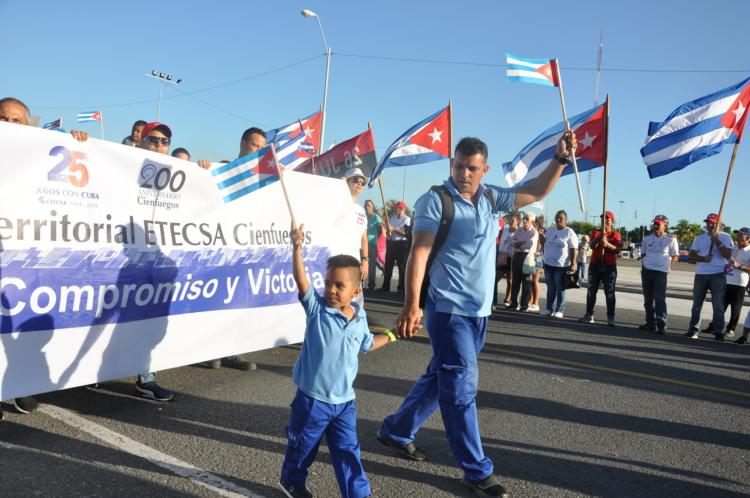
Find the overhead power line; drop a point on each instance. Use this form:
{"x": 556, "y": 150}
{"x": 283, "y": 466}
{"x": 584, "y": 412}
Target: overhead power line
{"x": 569, "y": 68}
{"x": 193, "y": 92}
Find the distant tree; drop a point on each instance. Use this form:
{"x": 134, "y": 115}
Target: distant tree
{"x": 683, "y": 231}
{"x": 581, "y": 227}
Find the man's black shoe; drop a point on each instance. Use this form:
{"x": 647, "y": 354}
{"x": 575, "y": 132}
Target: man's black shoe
{"x": 708, "y": 330}
{"x": 407, "y": 450}
{"x": 295, "y": 491}
{"x": 646, "y": 326}
{"x": 719, "y": 337}
{"x": 488, "y": 487}
{"x": 741, "y": 341}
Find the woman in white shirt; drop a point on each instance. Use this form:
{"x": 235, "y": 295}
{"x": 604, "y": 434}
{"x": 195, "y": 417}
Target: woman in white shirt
{"x": 560, "y": 251}
{"x": 523, "y": 240}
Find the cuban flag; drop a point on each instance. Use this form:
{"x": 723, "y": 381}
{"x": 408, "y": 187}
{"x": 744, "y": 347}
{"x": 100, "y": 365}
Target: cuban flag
{"x": 294, "y": 152}
{"x": 246, "y": 174}
{"x": 53, "y": 124}
{"x": 424, "y": 142}
{"x": 310, "y": 126}
{"x": 696, "y": 130}
{"x": 84, "y": 117}
{"x": 538, "y": 71}
{"x": 590, "y": 128}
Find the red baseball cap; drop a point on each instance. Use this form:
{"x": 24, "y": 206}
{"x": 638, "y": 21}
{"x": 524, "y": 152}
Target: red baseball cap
{"x": 401, "y": 205}
{"x": 712, "y": 217}
{"x": 661, "y": 219}
{"x": 156, "y": 126}
{"x": 610, "y": 215}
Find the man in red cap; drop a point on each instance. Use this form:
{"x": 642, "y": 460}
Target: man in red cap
{"x": 603, "y": 268}
{"x": 156, "y": 137}
{"x": 658, "y": 251}
{"x": 712, "y": 251}
{"x": 397, "y": 247}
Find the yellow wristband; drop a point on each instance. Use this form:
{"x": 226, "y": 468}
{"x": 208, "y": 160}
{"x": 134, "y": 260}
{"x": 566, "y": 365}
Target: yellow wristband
{"x": 391, "y": 336}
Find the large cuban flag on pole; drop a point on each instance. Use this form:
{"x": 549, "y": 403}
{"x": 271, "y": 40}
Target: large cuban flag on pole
{"x": 696, "y": 130}
{"x": 590, "y": 128}
{"x": 426, "y": 141}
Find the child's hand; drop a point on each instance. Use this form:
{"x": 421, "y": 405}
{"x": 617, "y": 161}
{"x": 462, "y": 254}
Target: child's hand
{"x": 297, "y": 235}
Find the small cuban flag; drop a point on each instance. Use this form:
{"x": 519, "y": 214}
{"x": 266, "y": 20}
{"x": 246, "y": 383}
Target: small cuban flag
{"x": 52, "y": 125}
{"x": 85, "y": 117}
{"x": 538, "y": 71}
{"x": 246, "y": 174}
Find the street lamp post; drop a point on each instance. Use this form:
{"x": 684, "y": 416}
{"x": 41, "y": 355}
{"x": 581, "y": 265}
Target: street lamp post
{"x": 310, "y": 13}
{"x": 162, "y": 78}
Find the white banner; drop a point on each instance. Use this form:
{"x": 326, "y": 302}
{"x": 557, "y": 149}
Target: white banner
{"x": 116, "y": 261}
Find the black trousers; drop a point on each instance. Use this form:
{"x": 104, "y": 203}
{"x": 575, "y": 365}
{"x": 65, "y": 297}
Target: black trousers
{"x": 519, "y": 281}
{"x": 396, "y": 252}
{"x": 734, "y": 298}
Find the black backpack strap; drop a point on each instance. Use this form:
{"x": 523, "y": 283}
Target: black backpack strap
{"x": 490, "y": 196}
{"x": 446, "y": 218}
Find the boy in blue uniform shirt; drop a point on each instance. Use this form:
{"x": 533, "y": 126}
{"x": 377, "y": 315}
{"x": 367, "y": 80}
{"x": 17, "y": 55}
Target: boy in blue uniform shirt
{"x": 335, "y": 334}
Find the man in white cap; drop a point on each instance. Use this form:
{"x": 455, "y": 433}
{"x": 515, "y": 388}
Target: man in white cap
{"x": 356, "y": 181}
{"x": 658, "y": 251}
{"x": 711, "y": 250}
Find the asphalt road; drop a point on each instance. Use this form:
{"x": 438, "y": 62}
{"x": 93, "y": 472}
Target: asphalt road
{"x": 566, "y": 409}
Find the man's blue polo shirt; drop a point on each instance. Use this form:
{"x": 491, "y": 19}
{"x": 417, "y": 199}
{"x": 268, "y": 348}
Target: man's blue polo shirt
{"x": 328, "y": 363}
{"x": 462, "y": 275}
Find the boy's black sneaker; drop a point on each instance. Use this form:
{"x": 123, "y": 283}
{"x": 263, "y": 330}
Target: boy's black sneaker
{"x": 27, "y": 404}
{"x": 488, "y": 487}
{"x": 295, "y": 491}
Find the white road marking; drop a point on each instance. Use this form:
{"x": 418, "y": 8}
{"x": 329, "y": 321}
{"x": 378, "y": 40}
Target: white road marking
{"x": 124, "y": 443}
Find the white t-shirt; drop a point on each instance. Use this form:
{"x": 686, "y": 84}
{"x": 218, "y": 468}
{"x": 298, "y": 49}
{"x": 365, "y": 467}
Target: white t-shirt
{"x": 557, "y": 246}
{"x": 701, "y": 244}
{"x": 735, "y": 275}
{"x": 657, "y": 252}
{"x": 397, "y": 222}
{"x": 358, "y": 224}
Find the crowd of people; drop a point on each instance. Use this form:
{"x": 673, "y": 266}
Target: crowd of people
{"x": 569, "y": 259}
{"x": 445, "y": 254}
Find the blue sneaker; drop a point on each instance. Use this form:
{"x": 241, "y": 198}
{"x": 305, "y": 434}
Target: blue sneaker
{"x": 151, "y": 390}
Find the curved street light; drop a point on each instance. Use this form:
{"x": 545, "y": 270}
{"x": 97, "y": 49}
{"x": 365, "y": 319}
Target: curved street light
{"x": 310, "y": 13}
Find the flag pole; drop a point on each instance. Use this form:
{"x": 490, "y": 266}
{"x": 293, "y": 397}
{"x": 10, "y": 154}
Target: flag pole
{"x": 567, "y": 128}
{"x": 280, "y": 171}
{"x": 726, "y": 186}
{"x": 101, "y": 124}
{"x": 606, "y": 159}
{"x": 450, "y": 135}
{"x": 380, "y": 184}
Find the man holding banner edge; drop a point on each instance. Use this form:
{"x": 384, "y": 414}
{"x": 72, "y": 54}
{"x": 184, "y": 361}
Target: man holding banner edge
{"x": 457, "y": 306}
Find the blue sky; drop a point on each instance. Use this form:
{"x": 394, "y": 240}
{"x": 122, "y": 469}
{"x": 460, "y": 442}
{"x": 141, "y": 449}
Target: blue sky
{"x": 61, "y": 59}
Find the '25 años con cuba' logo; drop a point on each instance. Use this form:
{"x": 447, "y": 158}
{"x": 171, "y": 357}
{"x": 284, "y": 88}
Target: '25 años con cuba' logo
{"x": 70, "y": 169}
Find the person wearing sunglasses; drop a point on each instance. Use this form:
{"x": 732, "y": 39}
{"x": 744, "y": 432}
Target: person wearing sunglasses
{"x": 156, "y": 137}
{"x": 356, "y": 181}
{"x": 658, "y": 251}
